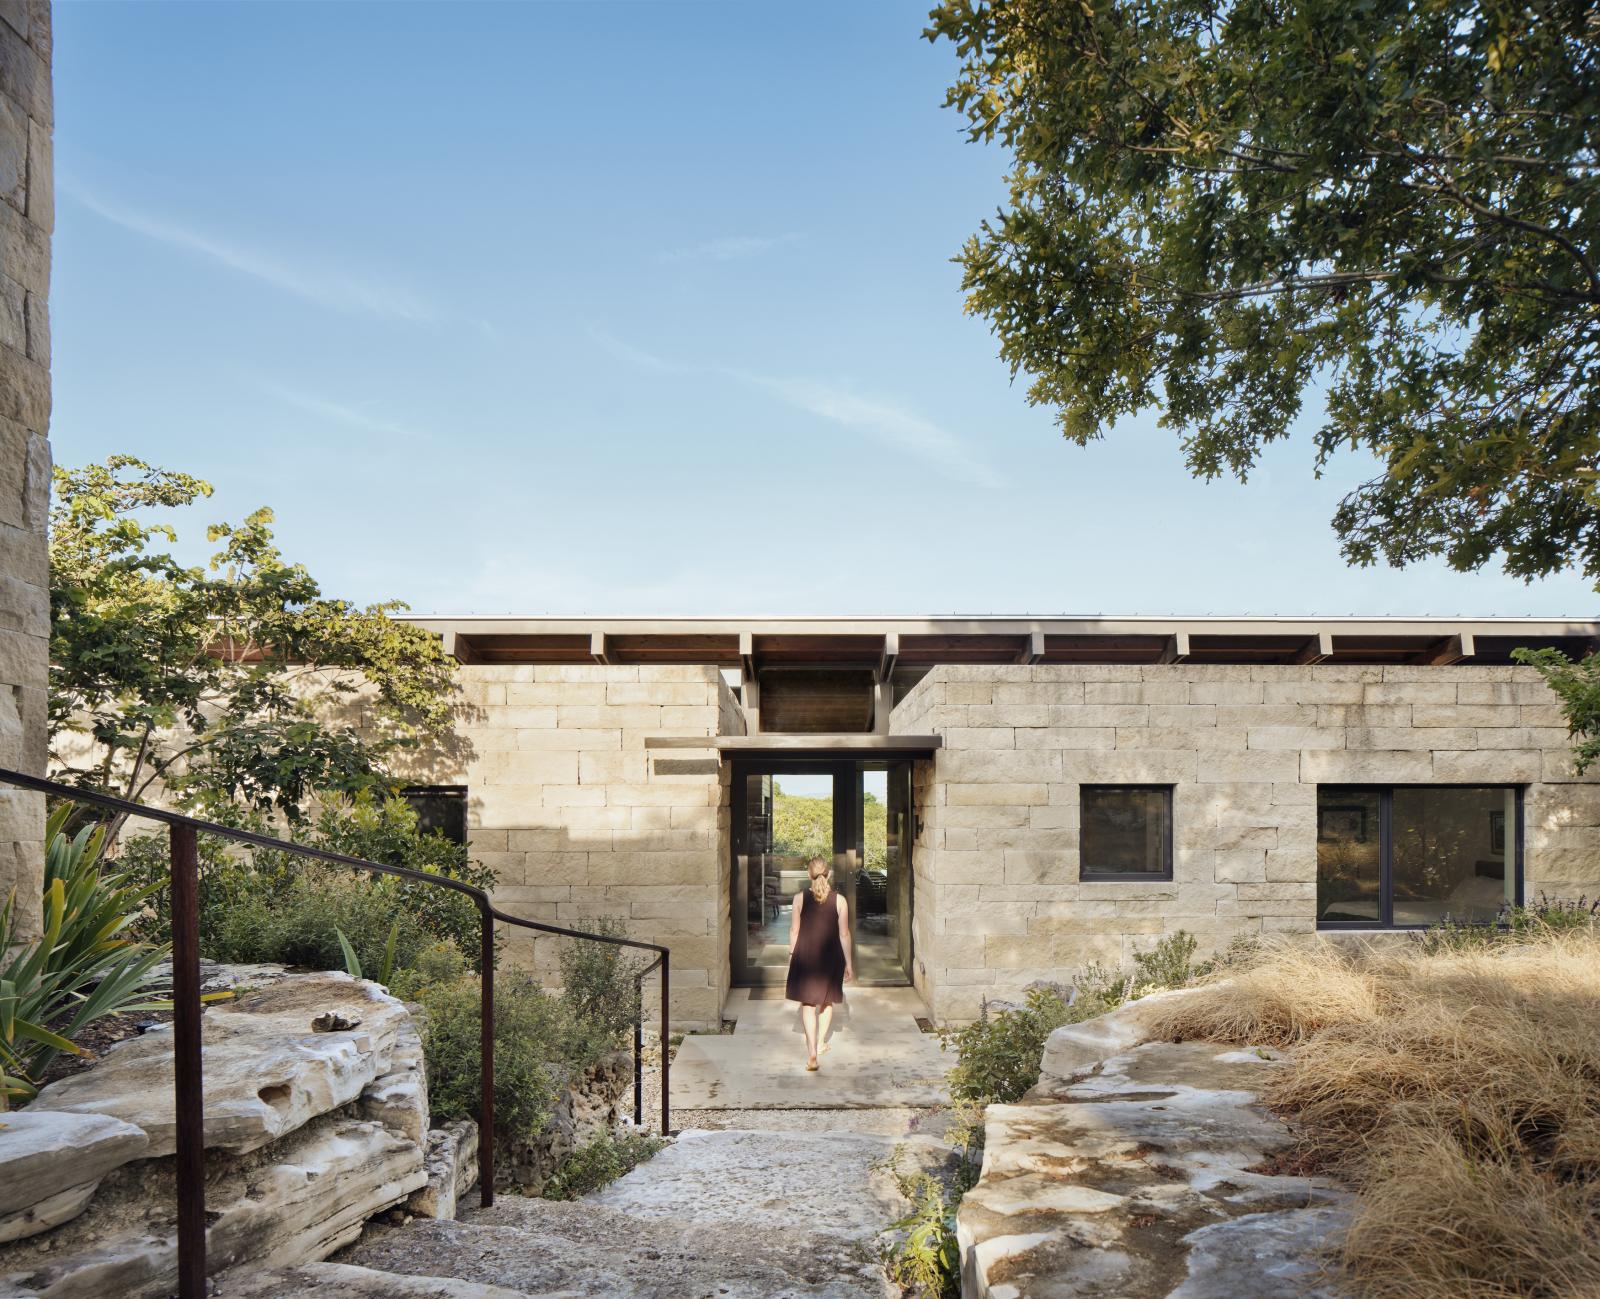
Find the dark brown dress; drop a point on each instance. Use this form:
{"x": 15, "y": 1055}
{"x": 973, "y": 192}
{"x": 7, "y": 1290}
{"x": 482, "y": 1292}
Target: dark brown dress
{"x": 816, "y": 965}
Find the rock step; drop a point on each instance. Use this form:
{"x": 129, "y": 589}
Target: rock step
{"x": 579, "y": 1248}
{"x": 341, "y": 1281}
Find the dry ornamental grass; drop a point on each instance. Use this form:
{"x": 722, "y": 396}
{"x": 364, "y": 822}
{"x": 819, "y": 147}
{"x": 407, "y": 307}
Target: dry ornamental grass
{"x": 1457, "y": 1090}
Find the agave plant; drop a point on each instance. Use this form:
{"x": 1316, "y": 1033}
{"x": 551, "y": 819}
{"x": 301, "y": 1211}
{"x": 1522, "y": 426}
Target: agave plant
{"x": 81, "y": 968}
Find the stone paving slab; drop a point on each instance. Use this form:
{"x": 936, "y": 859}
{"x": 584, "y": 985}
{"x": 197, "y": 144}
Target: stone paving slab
{"x": 878, "y": 1058}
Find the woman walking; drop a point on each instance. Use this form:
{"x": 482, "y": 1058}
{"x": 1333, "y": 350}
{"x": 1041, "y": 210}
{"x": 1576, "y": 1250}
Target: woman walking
{"x": 819, "y": 956}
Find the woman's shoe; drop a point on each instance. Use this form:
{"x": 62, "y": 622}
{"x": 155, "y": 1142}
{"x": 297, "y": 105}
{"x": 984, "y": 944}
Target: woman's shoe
{"x": 811, "y": 1065}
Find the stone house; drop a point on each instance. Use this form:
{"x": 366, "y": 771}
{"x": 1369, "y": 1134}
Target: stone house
{"x": 1010, "y": 798}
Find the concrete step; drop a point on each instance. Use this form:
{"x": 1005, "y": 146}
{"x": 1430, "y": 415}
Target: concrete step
{"x": 543, "y": 1248}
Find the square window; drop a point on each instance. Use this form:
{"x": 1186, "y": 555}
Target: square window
{"x": 1415, "y": 855}
{"x": 1125, "y": 832}
{"x": 440, "y": 808}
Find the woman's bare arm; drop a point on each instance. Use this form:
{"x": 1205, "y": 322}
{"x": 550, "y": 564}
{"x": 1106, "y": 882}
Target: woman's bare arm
{"x": 794, "y": 919}
{"x": 844, "y": 939}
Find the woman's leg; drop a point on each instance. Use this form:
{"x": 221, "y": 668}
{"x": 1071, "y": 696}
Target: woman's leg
{"x": 808, "y": 1017}
{"x": 824, "y": 1023}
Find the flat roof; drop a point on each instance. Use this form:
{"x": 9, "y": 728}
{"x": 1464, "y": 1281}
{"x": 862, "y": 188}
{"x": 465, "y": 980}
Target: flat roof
{"x": 886, "y": 645}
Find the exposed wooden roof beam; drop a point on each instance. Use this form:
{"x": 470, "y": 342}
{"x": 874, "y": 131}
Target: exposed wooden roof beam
{"x": 747, "y": 655}
{"x": 598, "y": 650}
{"x": 1319, "y": 649}
{"x": 1033, "y": 651}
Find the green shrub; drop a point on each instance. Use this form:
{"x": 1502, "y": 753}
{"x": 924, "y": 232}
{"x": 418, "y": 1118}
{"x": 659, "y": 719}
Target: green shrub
{"x": 267, "y": 905}
{"x": 601, "y": 1162}
{"x": 597, "y": 980}
{"x": 301, "y": 923}
{"x": 999, "y": 1055}
{"x": 535, "y": 1041}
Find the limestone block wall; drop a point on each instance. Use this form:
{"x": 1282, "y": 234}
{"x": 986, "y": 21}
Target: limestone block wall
{"x": 27, "y": 217}
{"x": 999, "y": 901}
{"x": 581, "y": 820}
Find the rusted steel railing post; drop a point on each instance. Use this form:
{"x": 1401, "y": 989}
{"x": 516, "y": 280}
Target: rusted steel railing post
{"x": 638, "y": 1051}
{"x": 666, "y": 1050}
{"x": 188, "y": 1087}
{"x": 486, "y": 1069}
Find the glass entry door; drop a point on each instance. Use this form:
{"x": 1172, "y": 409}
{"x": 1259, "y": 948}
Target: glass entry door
{"x": 854, "y": 814}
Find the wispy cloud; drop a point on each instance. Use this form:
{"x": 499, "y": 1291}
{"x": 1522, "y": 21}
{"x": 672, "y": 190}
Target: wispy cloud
{"x": 340, "y": 413}
{"x": 887, "y": 421}
{"x": 729, "y": 248}
{"x": 325, "y": 285}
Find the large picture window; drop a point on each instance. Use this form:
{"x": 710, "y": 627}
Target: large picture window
{"x": 1417, "y": 854}
{"x": 1125, "y": 832}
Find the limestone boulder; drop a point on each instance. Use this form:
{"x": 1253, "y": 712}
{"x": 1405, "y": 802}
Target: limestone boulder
{"x": 451, "y": 1164}
{"x": 399, "y": 1099}
{"x": 273, "y": 1059}
{"x": 291, "y": 1204}
{"x": 1075, "y": 1048}
{"x": 52, "y": 1163}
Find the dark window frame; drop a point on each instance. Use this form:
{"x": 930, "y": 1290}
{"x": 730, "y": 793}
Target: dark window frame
{"x": 458, "y": 792}
{"x": 1386, "y": 849}
{"x": 1086, "y": 875}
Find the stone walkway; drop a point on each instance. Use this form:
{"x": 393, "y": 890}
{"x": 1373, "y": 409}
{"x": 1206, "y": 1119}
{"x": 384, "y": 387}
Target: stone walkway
{"x": 776, "y": 1188}
{"x": 878, "y": 1059}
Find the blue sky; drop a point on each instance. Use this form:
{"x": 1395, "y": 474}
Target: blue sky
{"x": 614, "y": 308}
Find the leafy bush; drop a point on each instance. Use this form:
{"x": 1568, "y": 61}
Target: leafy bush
{"x": 301, "y": 923}
{"x": 535, "y": 1036}
{"x": 597, "y": 980}
{"x": 998, "y": 1056}
{"x": 267, "y": 905}
{"x": 601, "y": 1162}
{"x": 82, "y": 968}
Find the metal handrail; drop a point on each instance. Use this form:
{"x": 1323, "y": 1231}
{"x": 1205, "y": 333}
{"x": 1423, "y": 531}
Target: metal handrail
{"x": 183, "y": 844}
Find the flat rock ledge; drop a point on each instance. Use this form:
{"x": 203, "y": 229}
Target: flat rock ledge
{"x": 1139, "y": 1176}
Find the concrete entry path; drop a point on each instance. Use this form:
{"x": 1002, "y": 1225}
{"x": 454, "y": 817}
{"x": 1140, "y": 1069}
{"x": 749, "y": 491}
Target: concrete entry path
{"x": 878, "y": 1057}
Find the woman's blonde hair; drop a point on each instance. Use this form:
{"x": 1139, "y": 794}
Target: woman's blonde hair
{"x": 819, "y": 871}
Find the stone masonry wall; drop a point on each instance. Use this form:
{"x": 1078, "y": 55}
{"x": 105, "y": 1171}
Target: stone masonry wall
{"x": 580, "y": 819}
{"x": 27, "y": 217}
{"x": 999, "y": 902}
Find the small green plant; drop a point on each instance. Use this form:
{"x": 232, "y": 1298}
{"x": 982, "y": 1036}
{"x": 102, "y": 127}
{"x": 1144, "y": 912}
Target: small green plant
{"x": 352, "y": 962}
{"x": 600, "y": 1162}
{"x": 926, "y": 1261}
